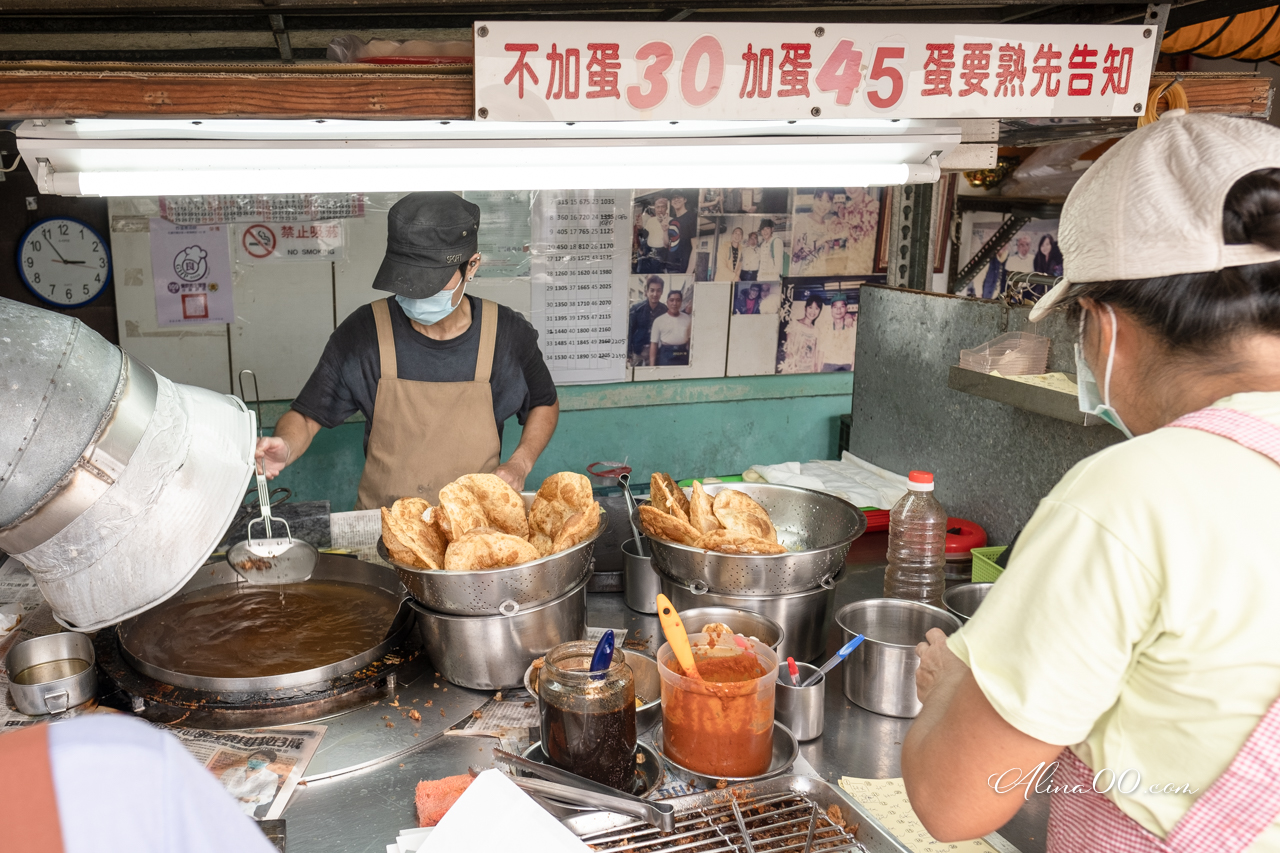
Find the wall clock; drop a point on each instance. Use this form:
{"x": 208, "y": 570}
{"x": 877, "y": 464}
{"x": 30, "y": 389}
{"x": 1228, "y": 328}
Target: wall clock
{"x": 64, "y": 262}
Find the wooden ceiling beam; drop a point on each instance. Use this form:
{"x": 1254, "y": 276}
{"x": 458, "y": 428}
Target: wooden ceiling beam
{"x": 239, "y": 94}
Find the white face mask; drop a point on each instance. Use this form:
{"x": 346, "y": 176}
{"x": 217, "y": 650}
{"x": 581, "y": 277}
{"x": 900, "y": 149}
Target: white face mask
{"x": 1090, "y": 402}
{"x": 434, "y": 308}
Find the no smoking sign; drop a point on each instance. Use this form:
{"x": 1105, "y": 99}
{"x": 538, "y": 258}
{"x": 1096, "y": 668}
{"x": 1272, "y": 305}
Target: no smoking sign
{"x": 259, "y": 241}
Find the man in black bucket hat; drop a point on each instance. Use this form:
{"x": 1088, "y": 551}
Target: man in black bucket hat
{"x": 435, "y": 372}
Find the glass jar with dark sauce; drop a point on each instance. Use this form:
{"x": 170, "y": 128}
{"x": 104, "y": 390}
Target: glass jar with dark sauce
{"x": 589, "y": 719}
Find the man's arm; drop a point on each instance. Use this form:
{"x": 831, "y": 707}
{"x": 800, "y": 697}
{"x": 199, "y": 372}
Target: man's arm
{"x": 538, "y": 429}
{"x": 959, "y": 748}
{"x": 293, "y": 434}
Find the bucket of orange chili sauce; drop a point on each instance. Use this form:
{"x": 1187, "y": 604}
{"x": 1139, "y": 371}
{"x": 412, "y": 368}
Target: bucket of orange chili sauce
{"x": 722, "y": 725}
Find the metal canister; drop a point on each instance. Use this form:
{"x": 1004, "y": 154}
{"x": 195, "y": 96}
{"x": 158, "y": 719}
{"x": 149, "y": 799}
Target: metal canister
{"x": 49, "y": 674}
{"x": 589, "y": 718}
{"x": 642, "y": 582}
{"x": 801, "y": 708}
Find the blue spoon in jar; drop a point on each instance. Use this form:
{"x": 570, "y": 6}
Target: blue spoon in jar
{"x": 602, "y": 657}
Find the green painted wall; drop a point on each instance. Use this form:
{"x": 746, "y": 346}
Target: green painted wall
{"x": 685, "y": 427}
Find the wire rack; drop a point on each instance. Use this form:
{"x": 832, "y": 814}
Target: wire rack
{"x": 777, "y": 823}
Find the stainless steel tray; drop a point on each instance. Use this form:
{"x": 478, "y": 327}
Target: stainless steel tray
{"x": 649, "y": 773}
{"x": 785, "y": 750}
{"x": 700, "y": 825}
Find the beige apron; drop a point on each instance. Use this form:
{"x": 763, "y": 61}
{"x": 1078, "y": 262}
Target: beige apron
{"x": 427, "y": 434}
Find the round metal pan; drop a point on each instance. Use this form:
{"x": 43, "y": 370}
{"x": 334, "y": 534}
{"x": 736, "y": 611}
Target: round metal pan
{"x": 328, "y": 567}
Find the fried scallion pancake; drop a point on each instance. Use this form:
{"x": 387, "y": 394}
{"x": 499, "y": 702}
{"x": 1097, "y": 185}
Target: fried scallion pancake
{"x": 406, "y": 532}
{"x": 701, "y": 515}
{"x": 542, "y": 542}
{"x": 462, "y": 511}
{"x": 660, "y": 525}
{"x": 731, "y": 542}
{"x": 487, "y": 548}
{"x": 666, "y": 496}
{"x": 740, "y": 514}
{"x": 560, "y": 496}
{"x": 502, "y": 505}
{"x": 577, "y": 528}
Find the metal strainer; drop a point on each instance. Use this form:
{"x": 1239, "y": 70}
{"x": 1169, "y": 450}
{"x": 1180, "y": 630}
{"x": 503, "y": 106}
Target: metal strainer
{"x": 271, "y": 559}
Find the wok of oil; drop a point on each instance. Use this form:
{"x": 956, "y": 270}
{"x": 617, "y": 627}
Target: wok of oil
{"x": 248, "y": 631}
{"x": 52, "y": 670}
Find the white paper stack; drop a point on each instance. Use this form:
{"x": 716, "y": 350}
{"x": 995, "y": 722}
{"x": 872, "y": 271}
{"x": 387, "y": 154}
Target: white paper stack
{"x": 495, "y": 816}
{"x": 410, "y": 840}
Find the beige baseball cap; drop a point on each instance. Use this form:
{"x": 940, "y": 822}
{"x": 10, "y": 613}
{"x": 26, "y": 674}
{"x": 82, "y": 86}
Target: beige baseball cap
{"x": 1152, "y": 205}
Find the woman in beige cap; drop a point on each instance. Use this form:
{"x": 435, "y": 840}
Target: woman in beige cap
{"x": 1127, "y": 660}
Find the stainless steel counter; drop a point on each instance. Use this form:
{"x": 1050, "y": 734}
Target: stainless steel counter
{"x": 363, "y": 811}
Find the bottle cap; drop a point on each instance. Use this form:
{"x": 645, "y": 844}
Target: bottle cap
{"x": 920, "y": 481}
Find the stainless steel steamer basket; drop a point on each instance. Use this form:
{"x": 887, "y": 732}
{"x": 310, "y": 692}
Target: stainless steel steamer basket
{"x": 817, "y": 528}
{"x": 500, "y": 592}
{"x": 493, "y": 652}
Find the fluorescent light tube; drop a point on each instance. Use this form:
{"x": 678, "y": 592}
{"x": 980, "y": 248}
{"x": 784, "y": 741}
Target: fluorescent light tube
{"x": 115, "y": 162}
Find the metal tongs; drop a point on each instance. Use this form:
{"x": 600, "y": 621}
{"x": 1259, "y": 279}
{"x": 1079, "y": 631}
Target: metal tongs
{"x": 570, "y": 789}
{"x": 273, "y": 559}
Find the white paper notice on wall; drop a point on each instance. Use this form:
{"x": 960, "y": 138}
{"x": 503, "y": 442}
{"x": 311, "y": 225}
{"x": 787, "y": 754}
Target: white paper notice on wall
{"x": 581, "y": 259}
{"x": 290, "y": 241}
{"x": 191, "y": 267}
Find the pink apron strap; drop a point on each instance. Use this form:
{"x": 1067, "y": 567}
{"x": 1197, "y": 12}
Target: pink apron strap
{"x": 1244, "y": 429}
{"x": 1243, "y": 802}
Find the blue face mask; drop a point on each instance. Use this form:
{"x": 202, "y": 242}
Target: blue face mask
{"x": 1091, "y": 403}
{"x": 255, "y": 764}
{"x": 435, "y": 308}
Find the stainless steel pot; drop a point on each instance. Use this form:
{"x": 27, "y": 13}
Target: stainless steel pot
{"x": 500, "y": 592}
{"x": 642, "y": 582}
{"x": 493, "y": 652}
{"x": 803, "y": 616}
{"x": 963, "y": 599}
{"x": 49, "y": 674}
{"x": 816, "y": 528}
{"x": 744, "y": 622}
{"x": 880, "y": 674}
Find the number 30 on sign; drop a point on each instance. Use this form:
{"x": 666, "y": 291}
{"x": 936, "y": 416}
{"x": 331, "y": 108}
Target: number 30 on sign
{"x": 583, "y": 71}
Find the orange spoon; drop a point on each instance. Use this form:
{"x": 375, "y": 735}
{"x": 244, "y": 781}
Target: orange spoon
{"x": 677, "y": 637}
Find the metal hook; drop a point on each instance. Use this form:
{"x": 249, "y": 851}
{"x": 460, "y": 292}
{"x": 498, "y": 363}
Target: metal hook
{"x": 257, "y": 398}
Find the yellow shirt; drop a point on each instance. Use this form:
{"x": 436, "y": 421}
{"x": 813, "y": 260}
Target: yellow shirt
{"x": 1137, "y": 619}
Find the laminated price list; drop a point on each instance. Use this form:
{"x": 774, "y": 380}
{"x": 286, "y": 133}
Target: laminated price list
{"x": 581, "y": 256}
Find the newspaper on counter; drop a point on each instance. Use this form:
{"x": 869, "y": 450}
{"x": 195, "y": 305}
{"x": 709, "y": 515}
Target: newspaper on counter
{"x": 259, "y": 767}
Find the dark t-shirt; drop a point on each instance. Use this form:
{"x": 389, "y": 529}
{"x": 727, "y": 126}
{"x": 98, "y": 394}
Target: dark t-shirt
{"x": 640, "y": 325}
{"x": 346, "y": 379}
{"x": 686, "y": 225}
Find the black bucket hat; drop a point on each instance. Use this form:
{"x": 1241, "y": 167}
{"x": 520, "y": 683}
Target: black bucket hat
{"x": 429, "y": 235}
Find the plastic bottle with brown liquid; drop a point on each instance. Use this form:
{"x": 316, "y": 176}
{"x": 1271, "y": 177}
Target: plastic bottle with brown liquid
{"x": 917, "y": 544}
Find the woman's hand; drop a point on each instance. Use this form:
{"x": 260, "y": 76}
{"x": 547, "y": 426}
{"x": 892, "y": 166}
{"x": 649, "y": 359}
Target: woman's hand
{"x": 937, "y": 663}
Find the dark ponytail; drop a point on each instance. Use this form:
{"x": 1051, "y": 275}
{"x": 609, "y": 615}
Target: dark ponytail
{"x": 1196, "y": 312}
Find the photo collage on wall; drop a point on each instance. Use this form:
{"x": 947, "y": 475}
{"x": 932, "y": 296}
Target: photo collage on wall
{"x": 1033, "y": 249}
{"x": 760, "y": 249}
